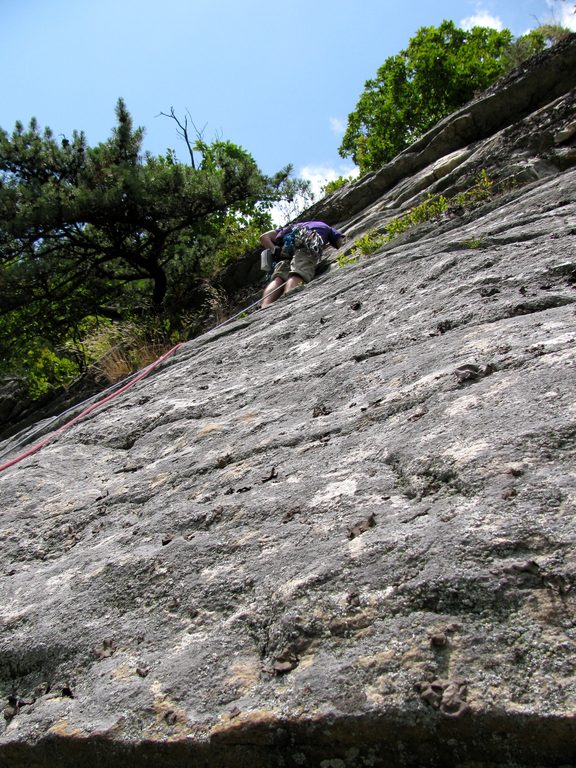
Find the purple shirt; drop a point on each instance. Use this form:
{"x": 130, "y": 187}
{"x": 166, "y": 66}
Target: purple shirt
{"x": 326, "y": 232}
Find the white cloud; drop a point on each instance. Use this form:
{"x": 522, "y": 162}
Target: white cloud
{"x": 563, "y": 13}
{"x": 482, "y": 18}
{"x": 319, "y": 175}
{"x": 337, "y": 126}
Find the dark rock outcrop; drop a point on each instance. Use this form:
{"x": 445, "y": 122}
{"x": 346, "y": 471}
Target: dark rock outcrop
{"x": 338, "y": 532}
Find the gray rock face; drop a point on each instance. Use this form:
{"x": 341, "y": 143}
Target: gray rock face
{"x": 337, "y": 533}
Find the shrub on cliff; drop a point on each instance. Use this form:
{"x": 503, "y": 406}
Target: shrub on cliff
{"x": 110, "y": 232}
{"x": 440, "y": 70}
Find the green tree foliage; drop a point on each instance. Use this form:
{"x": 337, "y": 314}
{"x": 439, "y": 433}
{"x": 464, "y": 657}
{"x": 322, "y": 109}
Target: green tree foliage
{"x": 338, "y": 183}
{"x": 533, "y": 42}
{"x": 107, "y": 232}
{"x": 440, "y": 70}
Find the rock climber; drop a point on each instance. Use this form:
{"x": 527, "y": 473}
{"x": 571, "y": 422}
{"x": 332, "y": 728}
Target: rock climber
{"x": 298, "y": 248}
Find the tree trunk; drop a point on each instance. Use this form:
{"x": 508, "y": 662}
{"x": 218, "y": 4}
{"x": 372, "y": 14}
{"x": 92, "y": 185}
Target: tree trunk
{"x": 160, "y": 285}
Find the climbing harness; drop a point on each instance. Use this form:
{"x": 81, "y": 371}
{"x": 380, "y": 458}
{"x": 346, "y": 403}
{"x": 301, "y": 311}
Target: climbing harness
{"x": 307, "y": 239}
{"x": 297, "y": 238}
{"x": 108, "y": 395}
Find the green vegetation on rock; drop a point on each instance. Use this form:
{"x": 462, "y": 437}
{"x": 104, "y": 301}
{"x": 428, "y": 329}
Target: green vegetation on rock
{"x": 429, "y": 209}
{"x": 440, "y": 70}
{"x": 89, "y": 234}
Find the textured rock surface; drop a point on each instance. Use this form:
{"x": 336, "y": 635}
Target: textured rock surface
{"x": 337, "y": 533}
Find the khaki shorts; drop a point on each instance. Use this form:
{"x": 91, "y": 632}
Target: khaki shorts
{"x": 302, "y": 264}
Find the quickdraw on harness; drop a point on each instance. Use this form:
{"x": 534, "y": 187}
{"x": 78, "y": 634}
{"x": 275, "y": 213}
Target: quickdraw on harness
{"x": 297, "y": 238}
{"x": 306, "y": 239}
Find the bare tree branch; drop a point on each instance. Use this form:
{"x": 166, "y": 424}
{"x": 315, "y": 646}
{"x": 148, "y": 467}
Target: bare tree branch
{"x": 183, "y": 131}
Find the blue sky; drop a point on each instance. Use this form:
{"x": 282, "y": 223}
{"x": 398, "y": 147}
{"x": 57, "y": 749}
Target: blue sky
{"x": 277, "y": 78}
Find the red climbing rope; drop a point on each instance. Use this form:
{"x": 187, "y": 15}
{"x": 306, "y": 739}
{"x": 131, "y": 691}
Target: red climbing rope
{"x": 141, "y": 375}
